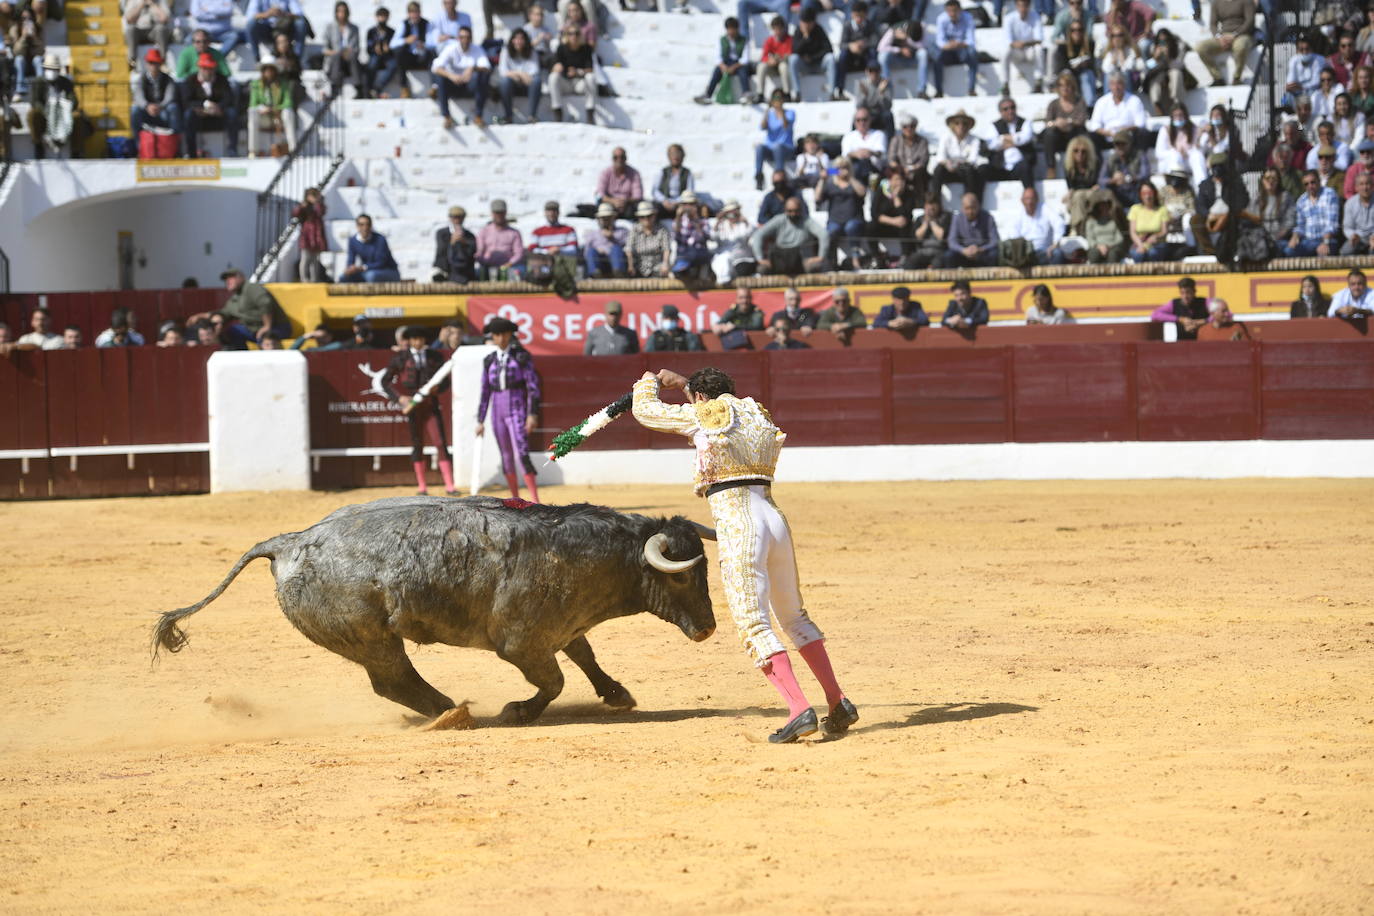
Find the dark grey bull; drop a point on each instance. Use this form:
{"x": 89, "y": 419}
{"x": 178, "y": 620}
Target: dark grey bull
{"x": 524, "y": 583}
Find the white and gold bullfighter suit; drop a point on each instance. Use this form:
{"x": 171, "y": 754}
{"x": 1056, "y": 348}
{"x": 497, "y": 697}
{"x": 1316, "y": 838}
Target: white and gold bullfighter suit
{"x": 736, "y": 441}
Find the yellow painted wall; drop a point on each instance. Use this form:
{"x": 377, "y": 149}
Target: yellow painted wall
{"x": 1132, "y": 297}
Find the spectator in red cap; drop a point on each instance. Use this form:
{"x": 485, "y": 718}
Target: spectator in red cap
{"x": 155, "y": 97}
{"x": 209, "y": 101}
{"x": 147, "y": 21}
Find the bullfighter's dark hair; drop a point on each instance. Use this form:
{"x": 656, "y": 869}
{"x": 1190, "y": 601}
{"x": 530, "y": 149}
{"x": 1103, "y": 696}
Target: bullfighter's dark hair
{"x": 711, "y": 382}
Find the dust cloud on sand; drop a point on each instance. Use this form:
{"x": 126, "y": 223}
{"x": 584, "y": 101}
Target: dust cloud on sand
{"x": 1075, "y": 698}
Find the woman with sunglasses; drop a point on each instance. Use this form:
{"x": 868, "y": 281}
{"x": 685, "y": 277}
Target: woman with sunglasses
{"x": 1119, "y": 56}
{"x": 1076, "y": 54}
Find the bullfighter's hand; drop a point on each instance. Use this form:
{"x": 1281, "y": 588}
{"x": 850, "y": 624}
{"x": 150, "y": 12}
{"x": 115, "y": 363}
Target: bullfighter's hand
{"x": 478, "y": 431}
{"x": 404, "y": 401}
{"x": 670, "y": 379}
{"x": 529, "y": 425}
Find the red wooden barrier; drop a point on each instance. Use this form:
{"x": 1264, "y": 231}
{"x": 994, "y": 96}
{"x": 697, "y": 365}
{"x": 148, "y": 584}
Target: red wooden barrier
{"x": 1073, "y": 393}
{"x": 1197, "y": 391}
{"x": 1317, "y": 390}
{"x": 951, "y": 395}
{"x": 349, "y": 413}
{"x": 105, "y": 399}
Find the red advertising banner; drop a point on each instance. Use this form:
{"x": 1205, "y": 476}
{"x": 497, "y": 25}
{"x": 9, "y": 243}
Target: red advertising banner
{"x": 550, "y": 326}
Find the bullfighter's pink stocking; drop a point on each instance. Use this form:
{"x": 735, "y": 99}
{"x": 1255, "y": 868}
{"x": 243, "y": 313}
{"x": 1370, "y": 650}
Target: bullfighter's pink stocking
{"x": 420, "y": 476}
{"x": 446, "y": 469}
{"x": 819, "y": 662}
{"x": 514, "y": 483}
{"x": 533, "y": 487}
{"x": 778, "y": 670}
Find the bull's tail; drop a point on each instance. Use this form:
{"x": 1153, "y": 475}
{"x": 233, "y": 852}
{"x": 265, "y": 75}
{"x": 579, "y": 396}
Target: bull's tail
{"x": 167, "y": 635}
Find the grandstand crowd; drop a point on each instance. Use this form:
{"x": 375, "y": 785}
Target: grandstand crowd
{"x": 1136, "y": 190}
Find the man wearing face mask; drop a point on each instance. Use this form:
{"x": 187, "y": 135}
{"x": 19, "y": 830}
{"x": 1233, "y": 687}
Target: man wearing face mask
{"x": 671, "y": 335}
{"x": 1304, "y": 73}
{"x": 1220, "y": 201}
{"x": 775, "y": 200}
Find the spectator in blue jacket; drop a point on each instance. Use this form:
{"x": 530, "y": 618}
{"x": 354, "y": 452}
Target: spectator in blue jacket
{"x": 369, "y": 256}
{"x": 955, "y": 43}
{"x": 965, "y": 310}
{"x": 973, "y": 238}
{"x": 903, "y": 313}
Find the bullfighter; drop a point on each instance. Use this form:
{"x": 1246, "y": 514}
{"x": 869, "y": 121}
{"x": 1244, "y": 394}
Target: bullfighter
{"x": 737, "y": 449}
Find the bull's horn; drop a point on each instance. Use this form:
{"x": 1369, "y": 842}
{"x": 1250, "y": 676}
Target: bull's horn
{"x": 706, "y": 534}
{"x": 653, "y": 555}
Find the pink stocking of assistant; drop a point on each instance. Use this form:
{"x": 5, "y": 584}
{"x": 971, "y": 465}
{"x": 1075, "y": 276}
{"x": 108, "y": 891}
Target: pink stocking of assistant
{"x": 420, "y": 476}
{"x": 819, "y": 662}
{"x": 446, "y": 469}
{"x": 533, "y": 486}
{"x": 778, "y": 670}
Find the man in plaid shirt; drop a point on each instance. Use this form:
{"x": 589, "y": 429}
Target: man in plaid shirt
{"x": 1319, "y": 221}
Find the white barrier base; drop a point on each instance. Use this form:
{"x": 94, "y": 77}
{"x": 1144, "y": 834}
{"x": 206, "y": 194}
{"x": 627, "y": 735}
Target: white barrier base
{"x": 259, "y": 421}
{"x": 1000, "y": 461}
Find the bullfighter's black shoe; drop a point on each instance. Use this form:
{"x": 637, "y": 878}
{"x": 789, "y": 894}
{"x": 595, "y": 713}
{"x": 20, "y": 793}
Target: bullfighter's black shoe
{"x": 841, "y": 717}
{"x": 804, "y": 724}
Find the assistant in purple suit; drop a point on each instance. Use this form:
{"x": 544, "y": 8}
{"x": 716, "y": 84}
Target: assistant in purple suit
{"x": 510, "y": 384}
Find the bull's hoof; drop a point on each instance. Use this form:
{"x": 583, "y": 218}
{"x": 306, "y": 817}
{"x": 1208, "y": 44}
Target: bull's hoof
{"x": 515, "y": 713}
{"x": 619, "y": 698}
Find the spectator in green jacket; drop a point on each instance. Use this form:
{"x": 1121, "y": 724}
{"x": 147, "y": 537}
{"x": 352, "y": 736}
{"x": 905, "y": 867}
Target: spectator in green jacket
{"x": 187, "y": 59}
{"x": 270, "y": 107}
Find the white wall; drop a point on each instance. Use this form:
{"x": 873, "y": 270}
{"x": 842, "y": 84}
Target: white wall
{"x": 75, "y": 247}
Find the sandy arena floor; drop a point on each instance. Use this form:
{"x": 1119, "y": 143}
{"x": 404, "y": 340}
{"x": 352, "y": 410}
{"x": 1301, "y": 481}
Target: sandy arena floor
{"x": 1076, "y": 698}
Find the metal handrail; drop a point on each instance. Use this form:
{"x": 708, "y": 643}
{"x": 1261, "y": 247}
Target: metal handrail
{"x": 302, "y": 168}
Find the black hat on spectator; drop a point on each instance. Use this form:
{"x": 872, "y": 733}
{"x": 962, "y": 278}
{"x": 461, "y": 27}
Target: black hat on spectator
{"x": 361, "y": 319}
{"x": 499, "y": 325}
{"x": 670, "y": 311}
{"x": 413, "y": 330}
{"x": 960, "y": 284}
{"x": 901, "y": 292}
{"x": 231, "y": 272}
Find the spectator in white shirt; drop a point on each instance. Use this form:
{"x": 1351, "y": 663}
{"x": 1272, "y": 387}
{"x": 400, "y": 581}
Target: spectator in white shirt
{"x": 445, "y": 27}
{"x": 1026, "y": 48}
{"x": 864, "y": 146}
{"x": 1324, "y": 99}
{"x": 519, "y": 71}
{"x": 959, "y": 157}
{"x": 41, "y": 333}
{"x": 1042, "y": 230}
{"x": 1042, "y": 309}
{"x": 1012, "y": 146}
{"x": 462, "y": 69}
{"x": 1116, "y": 111}
{"x": 1356, "y": 300}
{"x": 812, "y": 162}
